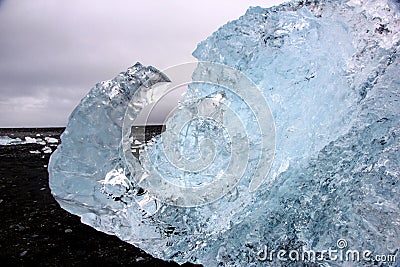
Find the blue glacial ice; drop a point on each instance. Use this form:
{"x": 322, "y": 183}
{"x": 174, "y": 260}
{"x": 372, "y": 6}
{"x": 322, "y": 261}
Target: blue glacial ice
{"x": 329, "y": 71}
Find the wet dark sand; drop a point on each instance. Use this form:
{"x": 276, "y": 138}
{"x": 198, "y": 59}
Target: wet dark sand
{"x": 34, "y": 230}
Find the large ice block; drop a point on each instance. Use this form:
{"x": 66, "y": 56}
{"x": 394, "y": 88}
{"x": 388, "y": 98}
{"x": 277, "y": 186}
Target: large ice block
{"x": 329, "y": 72}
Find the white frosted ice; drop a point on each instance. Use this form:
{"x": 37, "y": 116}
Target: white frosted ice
{"x": 47, "y": 150}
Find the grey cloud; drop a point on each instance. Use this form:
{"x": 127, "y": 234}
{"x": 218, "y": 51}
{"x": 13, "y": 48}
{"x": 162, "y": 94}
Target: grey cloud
{"x": 52, "y": 52}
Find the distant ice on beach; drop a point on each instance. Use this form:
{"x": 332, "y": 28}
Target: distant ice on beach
{"x": 6, "y": 141}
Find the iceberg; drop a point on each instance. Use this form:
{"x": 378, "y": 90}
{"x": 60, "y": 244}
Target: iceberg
{"x": 298, "y": 106}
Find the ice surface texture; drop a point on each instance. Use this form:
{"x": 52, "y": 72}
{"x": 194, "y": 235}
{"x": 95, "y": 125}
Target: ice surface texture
{"x": 329, "y": 71}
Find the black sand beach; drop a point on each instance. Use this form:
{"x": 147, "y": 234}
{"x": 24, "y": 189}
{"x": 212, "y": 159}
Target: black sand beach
{"x": 34, "y": 230}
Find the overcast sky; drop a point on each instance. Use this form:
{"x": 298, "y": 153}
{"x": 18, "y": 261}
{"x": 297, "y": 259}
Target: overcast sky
{"x": 52, "y": 52}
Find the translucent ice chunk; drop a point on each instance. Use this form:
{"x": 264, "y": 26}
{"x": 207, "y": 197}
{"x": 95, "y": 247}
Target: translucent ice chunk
{"x": 329, "y": 72}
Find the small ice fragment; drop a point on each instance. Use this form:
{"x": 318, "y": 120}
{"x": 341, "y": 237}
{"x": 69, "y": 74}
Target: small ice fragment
{"x": 23, "y": 253}
{"x": 47, "y": 150}
{"x": 30, "y": 140}
{"x": 51, "y": 140}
